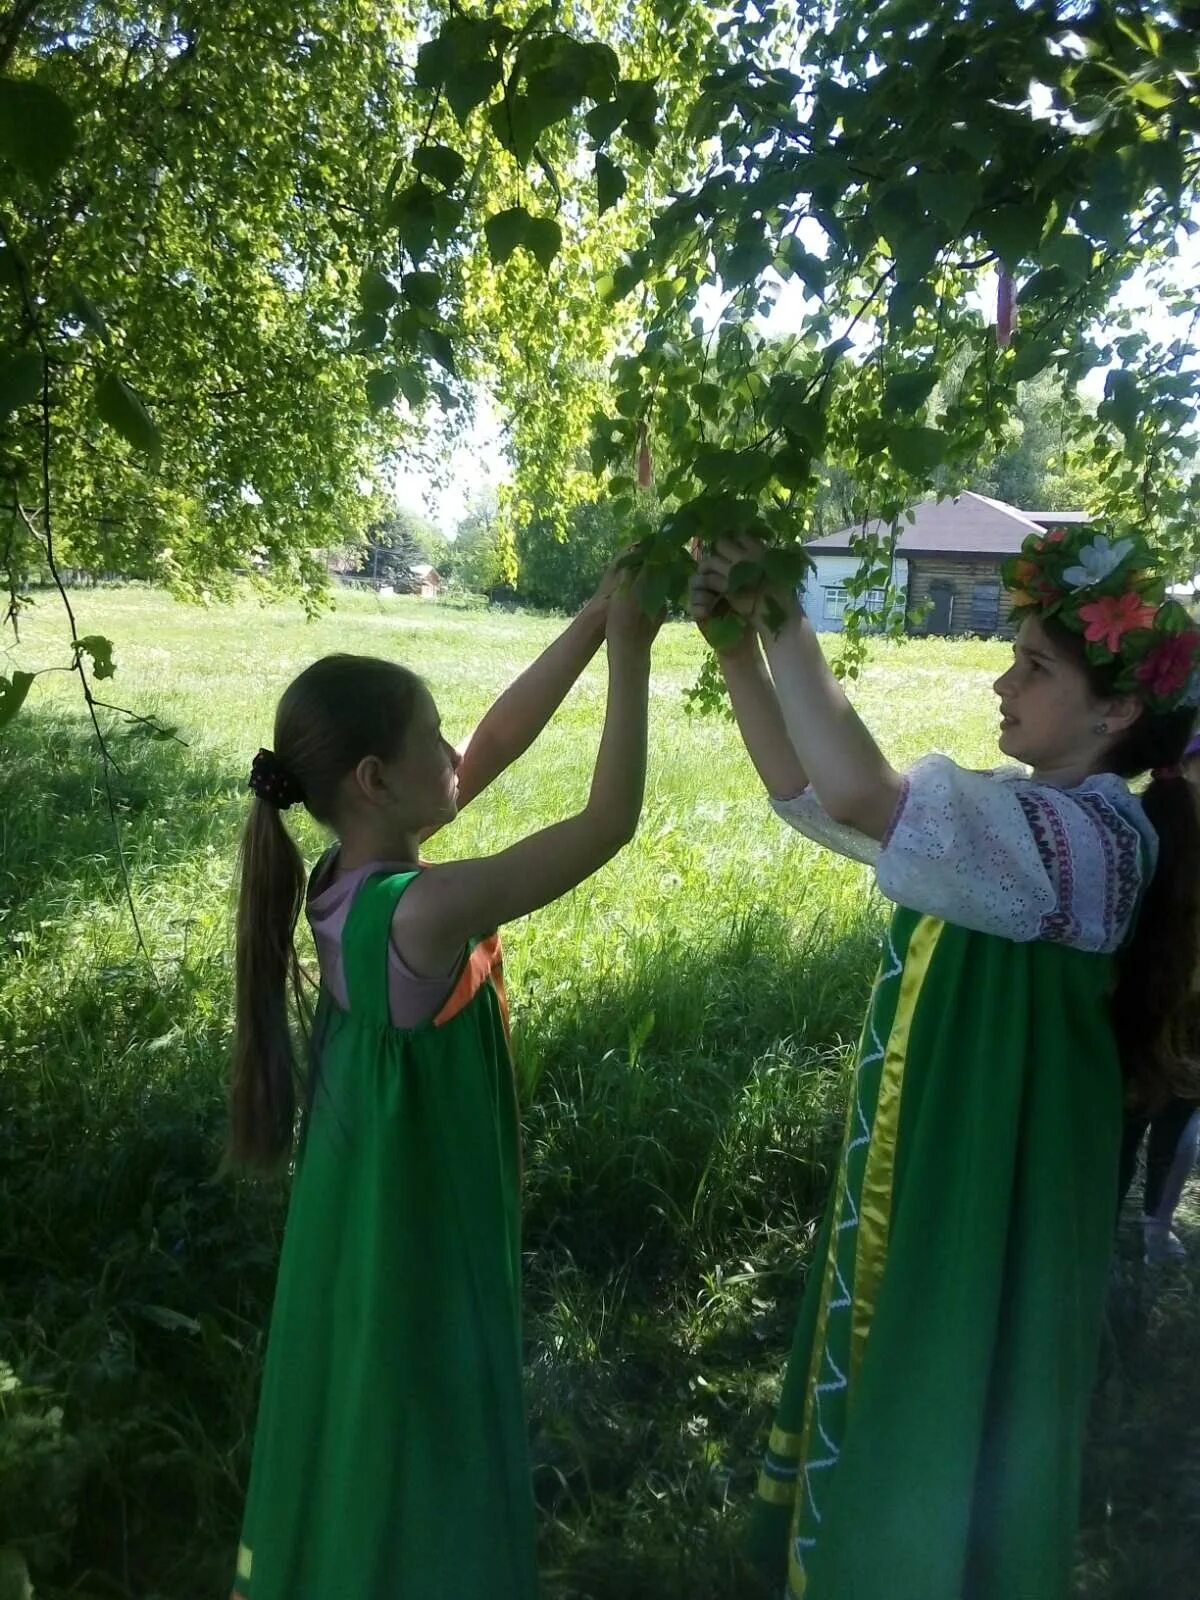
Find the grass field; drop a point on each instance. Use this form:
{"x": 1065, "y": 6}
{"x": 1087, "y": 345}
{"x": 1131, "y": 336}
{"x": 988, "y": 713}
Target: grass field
{"x": 683, "y": 1023}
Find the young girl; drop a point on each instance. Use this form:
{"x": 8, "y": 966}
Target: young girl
{"x": 390, "y": 1457}
{"x": 927, "y": 1443}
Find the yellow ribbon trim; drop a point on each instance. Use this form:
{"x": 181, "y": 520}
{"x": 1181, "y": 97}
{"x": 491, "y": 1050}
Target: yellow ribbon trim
{"x": 782, "y": 1443}
{"x": 875, "y": 1205}
{"x": 774, "y": 1491}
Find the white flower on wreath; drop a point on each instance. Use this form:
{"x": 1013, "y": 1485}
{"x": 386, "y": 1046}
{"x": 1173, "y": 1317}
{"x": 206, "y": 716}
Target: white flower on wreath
{"x": 1096, "y": 561}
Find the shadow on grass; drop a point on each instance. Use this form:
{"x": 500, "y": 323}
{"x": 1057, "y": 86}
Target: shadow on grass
{"x": 57, "y": 839}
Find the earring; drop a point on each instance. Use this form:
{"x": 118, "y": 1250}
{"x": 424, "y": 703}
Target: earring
{"x": 1101, "y": 727}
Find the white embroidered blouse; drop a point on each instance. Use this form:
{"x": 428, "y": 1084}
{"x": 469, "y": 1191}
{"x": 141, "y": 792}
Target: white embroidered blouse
{"x": 998, "y": 853}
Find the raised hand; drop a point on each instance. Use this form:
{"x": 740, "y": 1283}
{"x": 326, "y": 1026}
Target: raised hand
{"x": 753, "y": 582}
{"x": 628, "y": 621}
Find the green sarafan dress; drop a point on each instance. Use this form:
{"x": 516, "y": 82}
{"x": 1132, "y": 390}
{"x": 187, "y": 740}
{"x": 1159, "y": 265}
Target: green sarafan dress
{"x": 927, "y": 1443}
{"x": 391, "y": 1458}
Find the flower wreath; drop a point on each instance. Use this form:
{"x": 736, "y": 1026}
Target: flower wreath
{"x": 1105, "y": 589}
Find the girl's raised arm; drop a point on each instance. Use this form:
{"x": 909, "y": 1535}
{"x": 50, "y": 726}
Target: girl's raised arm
{"x": 448, "y": 904}
{"x": 518, "y": 715}
{"x": 847, "y": 770}
{"x": 755, "y": 703}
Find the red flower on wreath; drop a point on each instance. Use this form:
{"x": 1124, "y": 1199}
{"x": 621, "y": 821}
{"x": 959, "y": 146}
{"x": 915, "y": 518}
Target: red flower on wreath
{"x": 1111, "y": 617}
{"x": 1033, "y": 586}
{"x": 1169, "y": 665}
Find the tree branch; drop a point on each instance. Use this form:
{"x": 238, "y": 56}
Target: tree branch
{"x": 107, "y": 764}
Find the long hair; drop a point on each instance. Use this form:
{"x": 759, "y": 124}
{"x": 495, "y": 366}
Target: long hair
{"x": 338, "y": 711}
{"x": 1154, "y": 1006}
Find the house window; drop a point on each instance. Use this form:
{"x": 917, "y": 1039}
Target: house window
{"x": 985, "y": 608}
{"x": 837, "y": 599}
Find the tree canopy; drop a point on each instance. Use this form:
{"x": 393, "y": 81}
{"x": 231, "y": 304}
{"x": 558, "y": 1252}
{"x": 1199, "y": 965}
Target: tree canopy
{"x": 247, "y": 256}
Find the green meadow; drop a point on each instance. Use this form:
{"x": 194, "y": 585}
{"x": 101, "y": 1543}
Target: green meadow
{"x": 683, "y": 1024}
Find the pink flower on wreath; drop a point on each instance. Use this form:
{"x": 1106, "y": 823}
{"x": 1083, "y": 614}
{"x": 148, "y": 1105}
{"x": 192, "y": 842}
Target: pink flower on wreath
{"x": 1111, "y": 617}
{"x": 1169, "y": 665}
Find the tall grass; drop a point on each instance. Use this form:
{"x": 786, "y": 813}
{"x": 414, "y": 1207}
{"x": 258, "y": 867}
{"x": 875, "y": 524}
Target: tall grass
{"x": 683, "y": 1024}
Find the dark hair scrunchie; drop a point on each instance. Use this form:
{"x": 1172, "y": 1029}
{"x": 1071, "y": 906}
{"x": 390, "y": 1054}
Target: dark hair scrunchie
{"x": 271, "y": 781}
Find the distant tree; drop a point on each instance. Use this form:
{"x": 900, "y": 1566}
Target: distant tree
{"x": 1037, "y": 469}
{"x": 561, "y": 573}
{"x": 396, "y": 543}
{"x": 477, "y": 555}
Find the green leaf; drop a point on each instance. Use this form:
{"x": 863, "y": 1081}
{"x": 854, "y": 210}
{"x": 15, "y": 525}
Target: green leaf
{"x": 810, "y": 269}
{"x": 793, "y": 466}
{"x": 20, "y": 380}
{"x": 602, "y": 121}
{"x": 12, "y": 695}
{"x": 725, "y": 631}
{"x": 1014, "y": 232}
{"x": 951, "y": 197}
{"x": 471, "y": 87}
{"x": 1072, "y": 252}
{"x": 640, "y": 99}
{"x": 423, "y": 289}
{"x": 84, "y": 310}
{"x": 505, "y": 232}
{"x": 377, "y": 293}
{"x": 439, "y": 161}
{"x": 460, "y": 48}
{"x": 372, "y": 329}
{"x": 412, "y": 213}
{"x": 1051, "y": 283}
{"x": 100, "y": 650}
{"x": 1123, "y": 401}
{"x": 12, "y": 263}
{"x": 447, "y": 214}
{"x": 749, "y": 256}
{"x": 907, "y": 392}
{"x": 611, "y": 183}
{"x": 653, "y": 586}
{"x": 1031, "y": 357}
{"x": 412, "y": 386}
{"x": 122, "y": 408}
{"x": 915, "y": 253}
{"x": 37, "y": 128}
{"x": 902, "y": 306}
{"x": 435, "y": 343}
{"x": 519, "y": 120}
{"x": 917, "y": 450}
{"x": 383, "y": 385}
{"x": 543, "y": 240}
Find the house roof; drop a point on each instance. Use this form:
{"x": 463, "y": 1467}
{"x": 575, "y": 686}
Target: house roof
{"x": 971, "y": 524}
{"x": 422, "y": 569}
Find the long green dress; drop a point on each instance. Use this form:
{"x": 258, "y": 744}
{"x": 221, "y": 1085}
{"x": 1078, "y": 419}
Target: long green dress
{"x": 927, "y": 1442}
{"x": 391, "y": 1458}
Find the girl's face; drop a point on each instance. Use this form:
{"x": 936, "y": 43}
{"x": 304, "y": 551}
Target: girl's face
{"x": 422, "y": 780}
{"x": 416, "y": 790}
{"x": 1049, "y": 717}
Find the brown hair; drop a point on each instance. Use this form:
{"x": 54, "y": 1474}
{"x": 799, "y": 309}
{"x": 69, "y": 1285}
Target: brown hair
{"x": 335, "y": 713}
{"x": 1154, "y": 1006}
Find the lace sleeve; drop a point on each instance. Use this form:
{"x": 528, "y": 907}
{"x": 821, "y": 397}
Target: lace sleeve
{"x": 1020, "y": 859}
{"x": 809, "y": 817}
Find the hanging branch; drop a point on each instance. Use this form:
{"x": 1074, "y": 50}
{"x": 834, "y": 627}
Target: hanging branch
{"x": 108, "y": 764}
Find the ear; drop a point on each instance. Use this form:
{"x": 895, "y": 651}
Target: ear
{"x": 1121, "y": 712}
{"x": 368, "y": 780}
